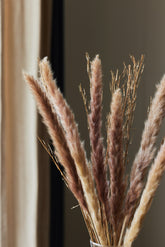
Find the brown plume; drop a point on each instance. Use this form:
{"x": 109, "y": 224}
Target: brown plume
{"x": 147, "y": 149}
{"x": 58, "y": 138}
{"x": 96, "y": 140}
{"x": 115, "y": 159}
{"x": 152, "y": 184}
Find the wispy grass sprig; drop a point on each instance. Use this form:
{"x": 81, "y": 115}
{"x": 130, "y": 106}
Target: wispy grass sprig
{"x": 112, "y": 212}
{"x": 128, "y": 81}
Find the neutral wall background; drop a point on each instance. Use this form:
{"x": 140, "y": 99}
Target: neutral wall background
{"x": 114, "y": 29}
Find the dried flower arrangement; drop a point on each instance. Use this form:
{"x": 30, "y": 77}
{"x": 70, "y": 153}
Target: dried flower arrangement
{"x": 113, "y": 210}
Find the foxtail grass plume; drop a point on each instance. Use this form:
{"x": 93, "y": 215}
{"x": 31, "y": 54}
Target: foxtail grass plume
{"x": 115, "y": 161}
{"x": 96, "y": 139}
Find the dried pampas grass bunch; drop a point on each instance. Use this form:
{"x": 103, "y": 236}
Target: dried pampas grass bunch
{"x": 112, "y": 207}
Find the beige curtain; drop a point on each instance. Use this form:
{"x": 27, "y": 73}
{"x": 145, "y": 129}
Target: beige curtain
{"x": 21, "y": 39}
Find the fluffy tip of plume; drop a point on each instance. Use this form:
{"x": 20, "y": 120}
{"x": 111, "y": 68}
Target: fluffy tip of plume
{"x": 117, "y": 95}
{"x": 117, "y": 91}
{"x": 45, "y": 71}
{"x": 163, "y": 78}
{"x": 26, "y": 76}
{"x": 44, "y": 65}
{"x": 96, "y": 69}
{"x": 162, "y": 82}
{"x": 97, "y": 56}
{"x": 45, "y": 59}
{"x": 163, "y": 142}
{"x": 96, "y": 61}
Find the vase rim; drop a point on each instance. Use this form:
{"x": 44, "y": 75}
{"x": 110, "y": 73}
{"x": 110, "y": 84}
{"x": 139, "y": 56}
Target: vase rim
{"x": 97, "y": 244}
{"x": 100, "y": 245}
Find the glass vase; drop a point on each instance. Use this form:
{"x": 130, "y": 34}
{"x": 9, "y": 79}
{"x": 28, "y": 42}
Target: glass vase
{"x": 92, "y": 244}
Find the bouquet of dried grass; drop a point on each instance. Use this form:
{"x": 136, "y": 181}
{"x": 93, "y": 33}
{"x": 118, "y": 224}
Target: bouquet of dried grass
{"x": 113, "y": 209}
